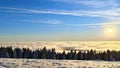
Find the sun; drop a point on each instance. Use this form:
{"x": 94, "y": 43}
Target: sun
{"x": 110, "y": 30}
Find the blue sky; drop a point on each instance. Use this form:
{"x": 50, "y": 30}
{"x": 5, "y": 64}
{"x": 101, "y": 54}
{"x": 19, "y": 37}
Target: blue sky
{"x": 58, "y": 19}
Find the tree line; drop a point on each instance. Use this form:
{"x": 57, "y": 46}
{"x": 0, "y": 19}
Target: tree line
{"x": 9, "y": 52}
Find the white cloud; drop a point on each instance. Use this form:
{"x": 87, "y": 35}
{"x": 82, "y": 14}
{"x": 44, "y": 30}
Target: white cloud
{"x": 49, "y": 22}
{"x": 111, "y": 13}
{"x": 96, "y": 24}
{"x": 93, "y": 3}
{"x": 55, "y": 22}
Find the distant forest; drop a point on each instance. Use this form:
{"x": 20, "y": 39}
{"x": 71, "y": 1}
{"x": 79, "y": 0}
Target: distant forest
{"x": 9, "y": 52}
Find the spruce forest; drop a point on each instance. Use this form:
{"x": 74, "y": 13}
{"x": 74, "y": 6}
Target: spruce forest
{"x": 9, "y": 52}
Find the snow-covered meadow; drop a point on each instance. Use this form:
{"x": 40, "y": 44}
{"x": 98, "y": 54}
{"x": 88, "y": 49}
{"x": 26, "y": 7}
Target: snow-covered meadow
{"x": 45, "y": 63}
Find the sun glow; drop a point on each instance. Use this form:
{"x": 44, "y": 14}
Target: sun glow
{"x": 109, "y": 31}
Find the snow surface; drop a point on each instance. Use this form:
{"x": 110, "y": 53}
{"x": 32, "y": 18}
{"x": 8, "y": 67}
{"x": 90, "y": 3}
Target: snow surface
{"x": 48, "y": 63}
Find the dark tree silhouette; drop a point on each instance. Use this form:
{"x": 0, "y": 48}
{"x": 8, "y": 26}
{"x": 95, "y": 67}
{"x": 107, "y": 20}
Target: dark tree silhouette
{"x": 8, "y": 52}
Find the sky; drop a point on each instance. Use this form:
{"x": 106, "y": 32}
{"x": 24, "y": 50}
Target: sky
{"x": 59, "y": 20}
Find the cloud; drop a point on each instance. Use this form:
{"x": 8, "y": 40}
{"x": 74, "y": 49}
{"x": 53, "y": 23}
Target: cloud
{"x": 49, "y": 22}
{"x": 112, "y": 14}
{"x": 55, "y": 22}
{"x": 99, "y": 3}
{"x": 98, "y": 13}
{"x": 96, "y": 24}
{"x": 92, "y": 3}
{"x": 59, "y": 22}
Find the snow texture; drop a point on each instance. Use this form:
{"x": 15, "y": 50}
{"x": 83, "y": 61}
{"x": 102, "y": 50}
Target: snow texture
{"x": 48, "y": 63}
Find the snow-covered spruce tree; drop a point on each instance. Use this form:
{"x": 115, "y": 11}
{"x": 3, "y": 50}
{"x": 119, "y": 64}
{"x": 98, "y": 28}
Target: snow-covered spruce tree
{"x": 91, "y": 55}
{"x": 36, "y": 54}
{"x": 17, "y": 53}
{"x": 4, "y": 53}
{"x": 63, "y": 55}
{"x": 74, "y": 55}
{"x": 71, "y": 54}
{"x": 27, "y": 53}
{"x": 43, "y": 53}
{"x": 48, "y": 55}
{"x": 80, "y": 55}
{"x": 53, "y": 53}
{"x": 10, "y": 51}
